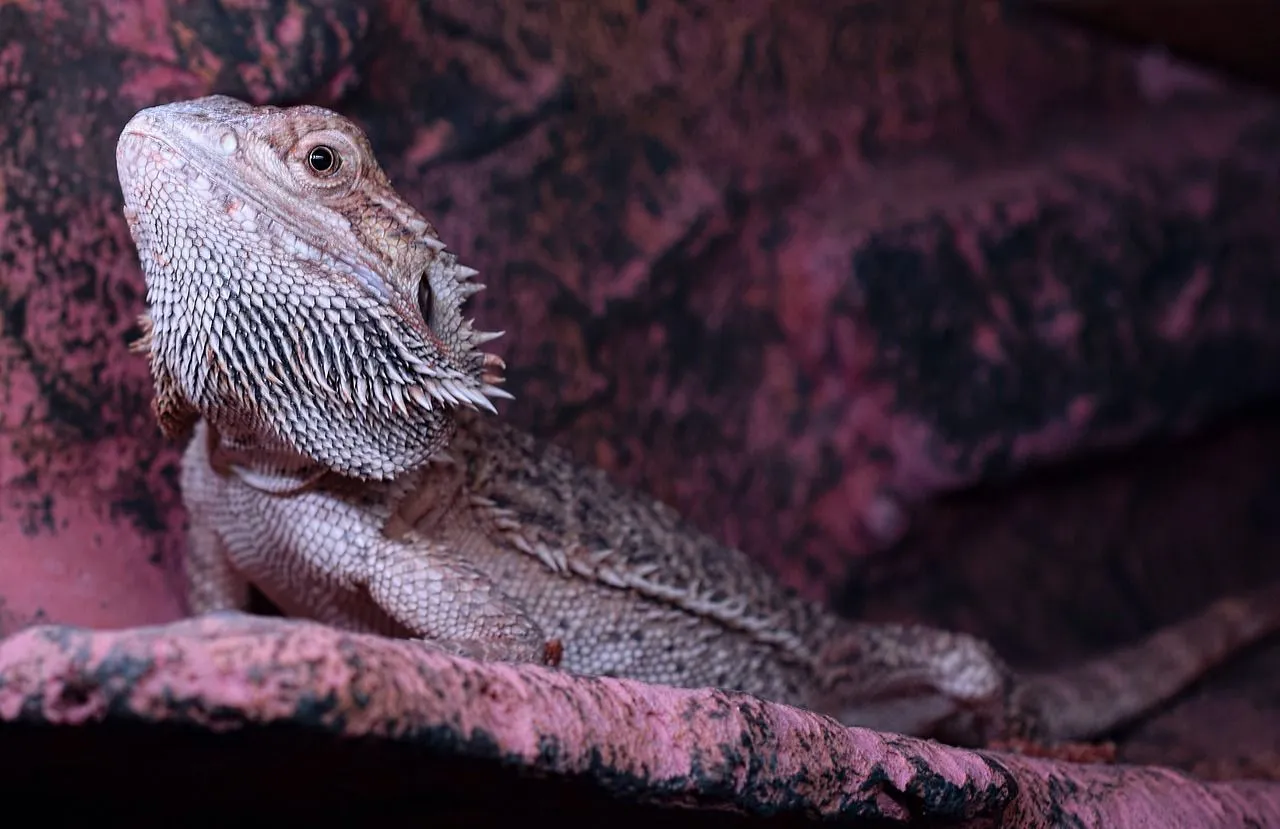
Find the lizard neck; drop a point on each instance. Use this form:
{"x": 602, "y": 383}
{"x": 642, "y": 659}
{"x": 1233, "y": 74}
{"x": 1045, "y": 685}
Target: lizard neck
{"x": 273, "y": 465}
{"x": 269, "y": 466}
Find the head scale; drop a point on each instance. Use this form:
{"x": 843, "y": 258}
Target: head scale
{"x": 296, "y": 301}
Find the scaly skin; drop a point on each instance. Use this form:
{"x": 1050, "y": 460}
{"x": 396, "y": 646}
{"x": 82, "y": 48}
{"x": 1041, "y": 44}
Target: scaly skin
{"x": 305, "y": 329}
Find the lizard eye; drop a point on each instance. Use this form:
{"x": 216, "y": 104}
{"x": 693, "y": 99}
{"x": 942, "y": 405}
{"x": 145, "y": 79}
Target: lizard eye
{"x": 425, "y": 299}
{"x": 324, "y": 160}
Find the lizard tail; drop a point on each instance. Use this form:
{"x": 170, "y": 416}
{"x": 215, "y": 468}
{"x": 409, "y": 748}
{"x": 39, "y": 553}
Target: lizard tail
{"x": 1088, "y": 700}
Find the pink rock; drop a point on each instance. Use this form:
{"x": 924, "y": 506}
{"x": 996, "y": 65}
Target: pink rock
{"x": 705, "y": 750}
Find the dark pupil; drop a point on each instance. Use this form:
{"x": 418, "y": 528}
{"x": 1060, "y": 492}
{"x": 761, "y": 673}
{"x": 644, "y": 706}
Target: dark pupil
{"x": 322, "y": 159}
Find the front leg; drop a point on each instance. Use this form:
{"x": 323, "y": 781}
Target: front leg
{"x": 213, "y": 584}
{"x": 422, "y": 587}
{"x": 319, "y": 551}
{"x": 437, "y": 596}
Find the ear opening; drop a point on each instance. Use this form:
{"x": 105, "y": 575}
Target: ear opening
{"x": 426, "y": 298}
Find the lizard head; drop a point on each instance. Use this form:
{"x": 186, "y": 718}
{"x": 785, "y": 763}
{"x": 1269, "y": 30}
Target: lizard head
{"x": 295, "y": 300}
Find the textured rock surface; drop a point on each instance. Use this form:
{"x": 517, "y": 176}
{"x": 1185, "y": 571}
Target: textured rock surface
{"x": 841, "y": 272}
{"x": 860, "y": 261}
{"x": 1141, "y": 540}
{"x": 796, "y": 267}
{"x": 243, "y": 677}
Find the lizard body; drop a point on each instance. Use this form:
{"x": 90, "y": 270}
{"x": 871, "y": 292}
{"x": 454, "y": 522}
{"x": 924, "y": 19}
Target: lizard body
{"x": 305, "y": 329}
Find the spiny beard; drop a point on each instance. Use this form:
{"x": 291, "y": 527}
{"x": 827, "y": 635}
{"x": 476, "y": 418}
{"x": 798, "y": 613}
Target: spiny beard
{"x": 338, "y": 377}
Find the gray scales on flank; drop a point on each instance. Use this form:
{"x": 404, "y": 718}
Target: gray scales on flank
{"x": 305, "y": 331}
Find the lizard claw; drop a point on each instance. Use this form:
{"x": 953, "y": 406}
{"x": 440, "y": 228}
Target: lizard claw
{"x": 552, "y": 653}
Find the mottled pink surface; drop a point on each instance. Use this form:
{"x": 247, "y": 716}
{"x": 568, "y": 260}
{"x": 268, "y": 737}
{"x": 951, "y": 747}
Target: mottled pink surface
{"x": 876, "y": 252}
{"x": 799, "y": 268}
{"x": 703, "y": 749}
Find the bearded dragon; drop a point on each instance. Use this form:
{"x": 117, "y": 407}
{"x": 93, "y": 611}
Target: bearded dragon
{"x": 305, "y": 334}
